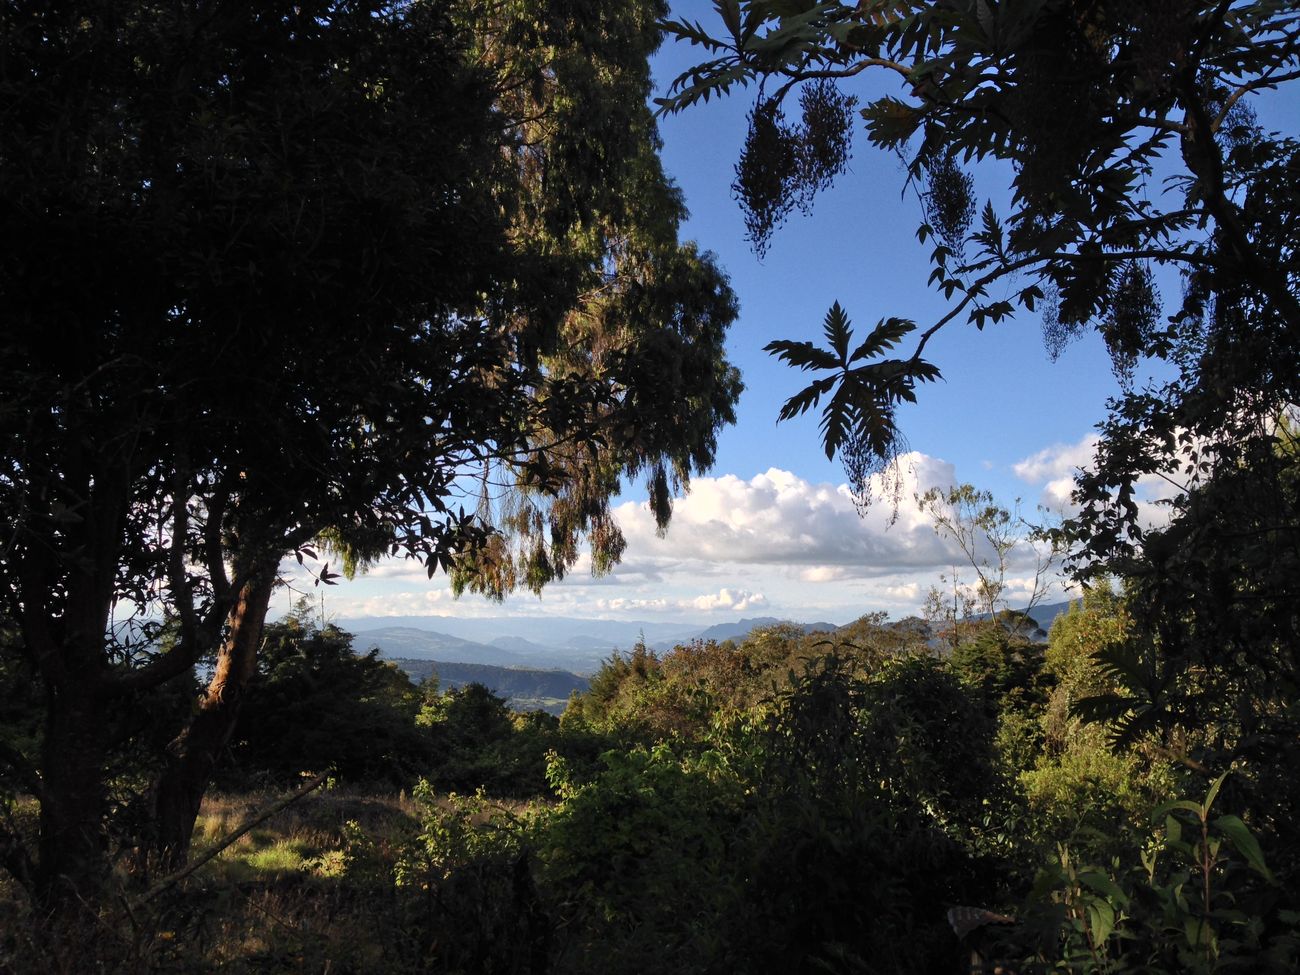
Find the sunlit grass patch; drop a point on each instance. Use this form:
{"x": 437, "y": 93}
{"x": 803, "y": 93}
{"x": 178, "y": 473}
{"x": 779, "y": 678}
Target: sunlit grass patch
{"x": 311, "y": 838}
{"x": 282, "y": 856}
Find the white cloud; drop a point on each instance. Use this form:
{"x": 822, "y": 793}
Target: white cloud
{"x": 907, "y": 592}
{"x": 774, "y": 543}
{"x": 779, "y": 519}
{"x": 724, "y": 600}
{"x": 1057, "y": 461}
{"x": 823, "y": 573}
{"x": 1055, "y": 467}
{"x": 737, "y": 600}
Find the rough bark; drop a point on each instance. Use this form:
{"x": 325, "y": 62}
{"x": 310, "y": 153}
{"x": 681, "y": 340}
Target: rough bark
{"x": 193, "y": 754}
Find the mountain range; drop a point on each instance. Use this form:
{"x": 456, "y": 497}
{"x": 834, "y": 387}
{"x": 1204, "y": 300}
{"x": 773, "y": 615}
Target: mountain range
{"x": 537, "y": 662}
{"x": 555, "y": 643}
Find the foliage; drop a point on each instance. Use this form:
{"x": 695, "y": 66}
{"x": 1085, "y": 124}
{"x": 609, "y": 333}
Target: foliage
{"x": 477, "y": 743}
{"x": 405, "y": 278}
{"x": 471, "y": 901}
{"x": 651, "y": 832}
{"x": 1202, "y": 899}
{"x": 858, "y": 419}
{"x": 315, "y": 705}
{"x": 992, "y": 540}
{"x": 1079, "y": 788}
{"x": 1085, "y": 104}
{"x": 1208, "y": 667}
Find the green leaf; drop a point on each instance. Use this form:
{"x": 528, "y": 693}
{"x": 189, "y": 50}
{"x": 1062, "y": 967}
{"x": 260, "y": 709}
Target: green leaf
{"x": 1101, "y": 917}
{"x": 887, "y": 334}
{"x": 1103, "y": 885}
{"x": 729, "y": 10}
{"x": 804, "y": 355}
{"x": 1214, "y": 793}
{"x": 1243, "y": 840}
{"x": 1163, "y": 810}
{"x": 807, "y": 398}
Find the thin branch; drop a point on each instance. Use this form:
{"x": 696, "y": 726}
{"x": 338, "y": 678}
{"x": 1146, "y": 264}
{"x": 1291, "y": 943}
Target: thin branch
{"x": 311, "y": 785}
{"x": 1162, "y": 124}
{"x": 971, "y": 293}
{"x": 212, "y": 543}
{"x": 1267, "y": 81}
{"x": 182, "y": 590}
{"x": 857, "y": 68}
{"x": 978, "y": 288}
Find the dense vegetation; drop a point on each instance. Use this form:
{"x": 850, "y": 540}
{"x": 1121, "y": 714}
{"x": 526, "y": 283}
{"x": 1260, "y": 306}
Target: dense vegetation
{"x": 326, "y": 280}
{"x": 788, "y": 802}
{"x": 290, "y": 279}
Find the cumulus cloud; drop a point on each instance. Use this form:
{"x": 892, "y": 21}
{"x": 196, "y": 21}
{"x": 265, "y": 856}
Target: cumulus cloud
{"x": 779, "y": 519}
{"x": 823, "y": 573}
{"x": 1057, "y": 461}
{"x": 1053, "y": 469}
{"x": 775, "y": 543}
{"x": 907, "y": 592}
{"x": 729, "y": 599}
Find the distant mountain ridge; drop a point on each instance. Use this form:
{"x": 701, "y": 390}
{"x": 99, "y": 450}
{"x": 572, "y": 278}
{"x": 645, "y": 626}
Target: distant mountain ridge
{"x": 410, "y": 643}
{"x": 548, "y": 631}
{"x": 741, "y": 629}
{"x": 525, "y": 689}
{"x": 558, "y": 643}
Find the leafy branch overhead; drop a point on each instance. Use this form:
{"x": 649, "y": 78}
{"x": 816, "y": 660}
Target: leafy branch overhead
{"x": 862, "y": 397}
{"x": 1131, "y": 142}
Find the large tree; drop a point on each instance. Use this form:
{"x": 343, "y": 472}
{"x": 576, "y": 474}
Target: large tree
{"x": 404, "y": 276}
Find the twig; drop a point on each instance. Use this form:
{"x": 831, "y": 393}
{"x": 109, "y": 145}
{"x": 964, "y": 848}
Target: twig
{"x": 309, "y": 786}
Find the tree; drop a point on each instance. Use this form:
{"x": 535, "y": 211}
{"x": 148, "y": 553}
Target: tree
{"x": 315, "y": 704}
{"x": 991, "y": 539}
{"x": 1088, "y": 104}
{"x": 1208, "y": 668}
{"x": 324, "y": 270}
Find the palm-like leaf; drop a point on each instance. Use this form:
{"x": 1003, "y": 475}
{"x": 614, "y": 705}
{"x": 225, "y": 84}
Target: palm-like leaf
{"x": 862, "y": 398}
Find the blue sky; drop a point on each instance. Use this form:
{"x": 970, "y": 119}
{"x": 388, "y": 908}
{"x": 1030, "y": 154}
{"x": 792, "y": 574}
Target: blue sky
{"x": 771, "y": 530}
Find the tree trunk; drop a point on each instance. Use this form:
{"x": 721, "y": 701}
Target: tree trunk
{"x": 73, "y": 844}
{"x": 193, "y": 754}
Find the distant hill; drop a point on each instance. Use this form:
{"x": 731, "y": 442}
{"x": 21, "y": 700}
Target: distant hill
{"x": 546, "y": 631}
{"x": 520, "y": 645}
{"x": 416, "y": 644}
{"x": 1045, "y": 615}
{"x": 524, "y": 688}
{"x": 742, "y": 628}
{"x": 410, "y": 643}
{"x": 601, "y": 644}
{"x": 561, "y": 643}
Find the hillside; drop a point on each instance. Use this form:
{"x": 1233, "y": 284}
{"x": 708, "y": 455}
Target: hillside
{"x": 525, "y": 689}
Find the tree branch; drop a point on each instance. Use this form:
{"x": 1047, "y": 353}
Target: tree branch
{"x": 1268, "y": 81}
{"x": 211, "y": 852}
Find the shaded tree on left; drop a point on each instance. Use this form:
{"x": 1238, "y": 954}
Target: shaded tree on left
{"x": 403, "y": 276}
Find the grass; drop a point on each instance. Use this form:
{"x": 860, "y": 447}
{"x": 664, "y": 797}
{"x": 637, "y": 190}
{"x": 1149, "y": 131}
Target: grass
{"x": 311, "y": 890}
{"x": 296, "y": 894}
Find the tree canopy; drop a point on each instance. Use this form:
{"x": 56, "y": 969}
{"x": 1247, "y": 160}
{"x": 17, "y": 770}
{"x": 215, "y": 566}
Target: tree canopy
{"x": 405, "y": 277}
{"x": 1132, "y": 144}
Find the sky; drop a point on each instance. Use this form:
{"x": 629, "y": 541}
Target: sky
{"x": 772, "y": 530}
